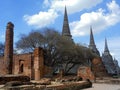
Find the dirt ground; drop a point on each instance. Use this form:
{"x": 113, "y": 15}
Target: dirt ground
{"x": 104, "y": 87}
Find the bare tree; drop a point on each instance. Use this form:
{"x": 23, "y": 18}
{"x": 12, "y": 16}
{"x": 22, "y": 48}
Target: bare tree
{"x": 29, "y": 42}
{"x": 48, "y": 40}
{"x": 57, "y": 49}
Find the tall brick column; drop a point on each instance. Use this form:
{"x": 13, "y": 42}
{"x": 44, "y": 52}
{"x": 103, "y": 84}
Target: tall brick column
{"x": 38, "y": 63}
{"x": 8, "y": 53}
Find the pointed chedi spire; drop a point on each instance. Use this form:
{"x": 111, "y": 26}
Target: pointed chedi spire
{"x": 92, "y": 45}
{"x": 108, "y": 60}
{"x": 106, "y": 46}
{"x": 66, "y": 29}
{"x": 91, "y": 37}
{"x": 106, "y": 50}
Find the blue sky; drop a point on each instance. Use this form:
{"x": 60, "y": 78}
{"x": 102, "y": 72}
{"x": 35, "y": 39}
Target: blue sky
{"x": 102, "y": 15}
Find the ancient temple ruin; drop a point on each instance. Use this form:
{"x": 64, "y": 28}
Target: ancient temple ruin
{"x": 29, "y": 64}
{"x": 32, "y": 64}
{"x": 108, "y": 61}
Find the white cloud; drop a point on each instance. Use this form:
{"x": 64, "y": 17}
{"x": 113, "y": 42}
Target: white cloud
{"x": 41, "y": 19}
{"x": 113, "y": 45}
{"x": 73, "y": 6}
{"x": 46, "y": 3}
{"x": 98, "y": 19}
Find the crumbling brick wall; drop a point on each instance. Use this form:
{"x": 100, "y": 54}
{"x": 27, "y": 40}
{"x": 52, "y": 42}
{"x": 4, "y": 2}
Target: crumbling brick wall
{"x": 2, "y": 66}
{"x": 86, "y": 73}
{"x": 98, "y": 68}
{"x": 27, "y": 61}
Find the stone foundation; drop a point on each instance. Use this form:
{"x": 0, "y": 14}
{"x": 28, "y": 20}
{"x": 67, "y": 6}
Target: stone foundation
{"x": 9, "y": 78}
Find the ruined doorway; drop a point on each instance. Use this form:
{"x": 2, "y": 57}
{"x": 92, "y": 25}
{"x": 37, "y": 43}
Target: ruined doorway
{"x": 21, "y": 69}
{"x": 21, "y": 66}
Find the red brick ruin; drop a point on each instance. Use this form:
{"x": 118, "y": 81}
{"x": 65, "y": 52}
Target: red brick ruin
{"x": 38, "y": 63}
{"x": 29, "y": 64}
{"x": 8, "y": 53}
{"x": 32, "y": 64}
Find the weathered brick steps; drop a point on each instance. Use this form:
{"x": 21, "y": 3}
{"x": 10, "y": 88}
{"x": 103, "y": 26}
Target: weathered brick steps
{"x": 58, "y": 86}
{"x": 9, "y": 78}
{"x": 80, "y": 85}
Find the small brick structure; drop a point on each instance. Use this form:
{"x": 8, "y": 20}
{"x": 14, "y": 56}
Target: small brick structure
{"x": 31, "y": 64}
{"x": 98, "y": 68}
{"x": 85, "y": 73}
{"x": 28, "y": 64}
